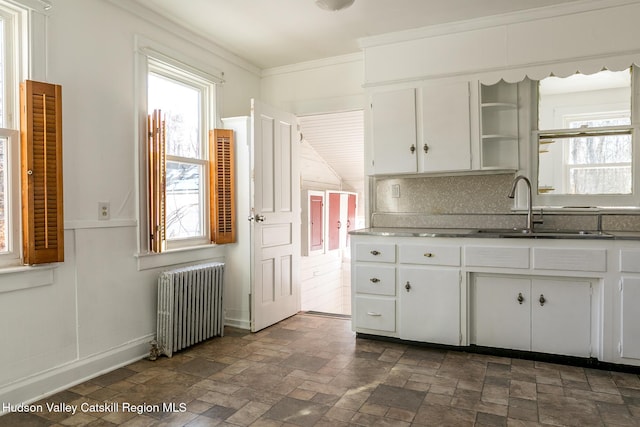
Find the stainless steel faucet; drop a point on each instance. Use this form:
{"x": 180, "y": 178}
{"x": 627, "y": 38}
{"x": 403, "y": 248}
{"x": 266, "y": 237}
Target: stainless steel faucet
{"x": 512, "y": 194}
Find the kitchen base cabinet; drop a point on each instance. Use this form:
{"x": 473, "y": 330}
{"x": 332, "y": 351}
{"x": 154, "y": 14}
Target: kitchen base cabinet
{"x": 561, "y": 317}
{"x": 533, "y": 314}
{"x": 429, "y": 305}
{"x": 500, "y": 317}
{"x": 375, "y": 313}
{"x": 630, "y": 326}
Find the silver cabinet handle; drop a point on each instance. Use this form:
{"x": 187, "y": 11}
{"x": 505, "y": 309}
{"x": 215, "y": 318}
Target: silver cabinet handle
{"x": 374, "y": 314}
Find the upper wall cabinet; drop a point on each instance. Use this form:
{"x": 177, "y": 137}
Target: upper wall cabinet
{"x": 438, "y": 142}
{"x": 499, "y": 126}
{"x": 394, "y": 132}
{"x": 446, "y": 141}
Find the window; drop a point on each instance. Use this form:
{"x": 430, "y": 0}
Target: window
{"x": 185, "y": 191}
{"x": 585, "y": 140}
{"x": 10, "y": 59}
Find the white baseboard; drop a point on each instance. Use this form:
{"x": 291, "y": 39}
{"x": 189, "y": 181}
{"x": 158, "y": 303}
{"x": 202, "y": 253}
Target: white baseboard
{"x": 238, "y": 323}
{"x": 39, "y": 386}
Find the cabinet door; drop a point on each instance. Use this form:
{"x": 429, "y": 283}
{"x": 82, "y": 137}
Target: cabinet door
{"x": 500, "y": 318}
{"x": 446, "y": 144}
{"x": 561, "y": 317}
{"x": 393, "y": 116}
{"x": 430, "y": 305}
{"x": 630, "y": 317}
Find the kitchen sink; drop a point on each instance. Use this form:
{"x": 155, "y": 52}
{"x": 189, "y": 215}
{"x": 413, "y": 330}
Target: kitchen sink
{"x": 548, "y": 234}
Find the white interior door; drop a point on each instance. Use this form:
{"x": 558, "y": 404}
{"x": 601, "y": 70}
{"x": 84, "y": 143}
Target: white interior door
{"x": 275, "y": 186}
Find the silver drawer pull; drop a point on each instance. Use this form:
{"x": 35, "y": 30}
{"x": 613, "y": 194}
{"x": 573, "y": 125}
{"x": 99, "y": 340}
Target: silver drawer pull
{"x": 374, "y": 252}
{"x": 374, "y": 314}
{"x": 374, "y": 279}
{"x": 428, "y": 255}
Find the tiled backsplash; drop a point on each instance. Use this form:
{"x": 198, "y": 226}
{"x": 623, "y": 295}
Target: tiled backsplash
{"x": 476, "y": 201}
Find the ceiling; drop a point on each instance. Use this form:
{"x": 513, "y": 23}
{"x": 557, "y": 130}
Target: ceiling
{"x": 338, "y": 138}
{"x": 273, "y": 33}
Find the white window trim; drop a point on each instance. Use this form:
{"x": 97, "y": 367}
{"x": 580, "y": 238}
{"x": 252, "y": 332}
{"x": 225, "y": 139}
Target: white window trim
{"x": 609, "y": 201}
{"x": 16, "y": 36}
{"x": 146, "y": 50}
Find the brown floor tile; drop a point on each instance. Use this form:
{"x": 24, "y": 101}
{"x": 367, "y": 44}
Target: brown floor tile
{"x": 311, "y": 371}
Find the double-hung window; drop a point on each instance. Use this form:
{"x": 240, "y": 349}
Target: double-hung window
{"x": 185, "y": 157}
{"x": 585, "y": 150}
{"x": 10, "y": 58}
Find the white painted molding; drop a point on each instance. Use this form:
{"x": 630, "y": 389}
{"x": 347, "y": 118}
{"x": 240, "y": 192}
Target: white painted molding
{"x": 113, "y": 223}
{"x": 315, "y": 64}
{"x": 491, "y": 21}
{"x": 180, "y": 30}
{"x": 60, "y": 378}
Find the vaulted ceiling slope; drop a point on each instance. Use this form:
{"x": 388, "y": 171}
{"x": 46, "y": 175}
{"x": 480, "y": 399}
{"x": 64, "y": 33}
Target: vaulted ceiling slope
{"x": 273, "y": 33}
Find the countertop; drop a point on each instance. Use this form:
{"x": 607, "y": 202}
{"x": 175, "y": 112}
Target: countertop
{"x": 495, "y": 233}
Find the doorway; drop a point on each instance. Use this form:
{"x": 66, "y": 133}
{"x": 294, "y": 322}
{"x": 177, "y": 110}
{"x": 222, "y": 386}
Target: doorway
{"x": 332, "y": 169}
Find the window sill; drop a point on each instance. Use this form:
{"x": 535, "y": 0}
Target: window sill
{"x": 149, "y": 261}
{"x": 21, "y": 277}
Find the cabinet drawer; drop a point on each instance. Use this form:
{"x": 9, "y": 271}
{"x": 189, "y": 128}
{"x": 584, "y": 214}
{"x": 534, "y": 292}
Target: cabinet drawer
{"x": 489, "y": 256}
{"x": 376, "y": 252}
{"x": 429, "y": 255}
{"x": 376, "y": 313}
{"x": 380, "y": 280}
{"x": 571, "y": 259}
{"x": 630, "y": 261}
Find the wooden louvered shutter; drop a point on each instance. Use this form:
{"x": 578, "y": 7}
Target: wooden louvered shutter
{"x": 157, "y": 169}
{"x": 41, "y": 172}
{"x": 222, "y": 186}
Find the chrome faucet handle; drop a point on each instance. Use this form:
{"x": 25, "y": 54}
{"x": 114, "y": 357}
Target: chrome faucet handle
{"x": 539, "y": 220}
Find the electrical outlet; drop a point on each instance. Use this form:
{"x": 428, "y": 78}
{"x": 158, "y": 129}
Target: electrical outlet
{"x": 395, "y": 191}
{"x": 104, "y": 211}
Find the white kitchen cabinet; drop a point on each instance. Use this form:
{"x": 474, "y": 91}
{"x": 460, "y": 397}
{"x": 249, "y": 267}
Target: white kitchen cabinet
{"x": 374, "y": 286}
{"x": 543, "y": 315}
{"x": 446, "y": 132}
{"x": 629, "y": 303}
{"x": 440, "y": 141}
{"x": 394, "y": 131}
{"x": 501, "y": 312}
{"x": 429, "y": 305}
{"x": 630, "y": 317}
{"x": 499, "y": 126}
{"x": 561, "y": 316}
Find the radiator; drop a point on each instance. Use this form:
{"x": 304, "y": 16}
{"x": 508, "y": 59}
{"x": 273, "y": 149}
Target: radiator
{"x": 189, "y": 307}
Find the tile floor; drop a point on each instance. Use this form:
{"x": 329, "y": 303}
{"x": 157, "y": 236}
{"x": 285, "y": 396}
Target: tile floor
{"x": 310, "y": 370}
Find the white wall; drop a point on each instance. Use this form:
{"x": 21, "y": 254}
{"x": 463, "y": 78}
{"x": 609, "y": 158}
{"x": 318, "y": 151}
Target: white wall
{"x": 330, "y": 85}
{"x": 96, "y": 310}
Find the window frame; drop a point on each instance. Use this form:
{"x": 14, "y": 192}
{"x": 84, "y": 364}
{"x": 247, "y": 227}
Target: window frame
{"x": 152, "y": 57}
{"x": 16, "y": 40}
{"x": 588, "y": 200}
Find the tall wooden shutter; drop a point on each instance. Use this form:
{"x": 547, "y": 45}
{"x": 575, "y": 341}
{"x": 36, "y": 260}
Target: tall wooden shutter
{"x": 157, "y": 169}
{"x": 41, "y": 172}
{"x": 222, "y": 186}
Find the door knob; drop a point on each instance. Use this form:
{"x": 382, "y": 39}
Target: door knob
{"x": 260, "y": 218}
